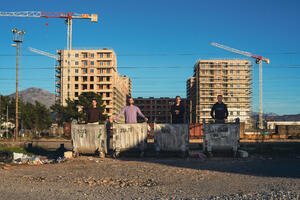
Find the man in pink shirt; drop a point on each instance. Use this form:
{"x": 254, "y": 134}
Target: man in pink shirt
{"x": 131, "y": 112}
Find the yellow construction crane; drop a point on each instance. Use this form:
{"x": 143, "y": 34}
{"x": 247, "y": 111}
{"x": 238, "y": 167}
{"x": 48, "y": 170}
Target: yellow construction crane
{"x": 259, "y": 60}
{"x": 68, "y": 16}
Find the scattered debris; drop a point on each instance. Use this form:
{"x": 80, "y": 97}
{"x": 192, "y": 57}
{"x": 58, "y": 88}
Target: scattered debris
{"x": 68, "y": 154}
{"x": 6, "y": 167}
{"x": 197, "y": 154}
{"x": 20, "y": 158}
{"x": 35, "y": 160}
{"x": 6, "y": 156}
{"x": 243, "y": 154}
{"x": 61, "y": 159}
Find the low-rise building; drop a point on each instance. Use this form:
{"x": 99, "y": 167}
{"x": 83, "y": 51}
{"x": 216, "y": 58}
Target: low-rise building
{"x": 156, "y": 109}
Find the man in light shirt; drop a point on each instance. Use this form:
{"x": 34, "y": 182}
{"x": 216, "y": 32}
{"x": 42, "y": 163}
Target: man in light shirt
{"x": 131, "y": 112}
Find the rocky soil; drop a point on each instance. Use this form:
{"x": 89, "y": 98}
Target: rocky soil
{"x": 88, "y": 177}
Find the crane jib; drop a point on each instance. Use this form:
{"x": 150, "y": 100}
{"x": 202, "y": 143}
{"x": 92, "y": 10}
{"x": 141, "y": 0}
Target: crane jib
{"x": 63, "y": 15}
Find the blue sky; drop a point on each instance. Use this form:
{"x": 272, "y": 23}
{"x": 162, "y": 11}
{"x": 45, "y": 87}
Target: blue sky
{"x": 157, "y": 42}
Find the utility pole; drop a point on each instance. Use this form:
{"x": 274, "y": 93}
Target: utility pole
{"x": 18, "y": 39}
{"x": 0, "y": 116}
{"x": 6, "y": 127}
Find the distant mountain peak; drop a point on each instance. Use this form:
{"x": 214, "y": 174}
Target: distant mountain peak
{"x": 36, "y": 94}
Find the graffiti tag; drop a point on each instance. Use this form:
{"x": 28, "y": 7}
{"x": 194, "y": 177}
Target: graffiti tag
{"x": 82, "y": 133}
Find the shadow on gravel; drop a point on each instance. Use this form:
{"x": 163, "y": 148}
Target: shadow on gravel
{"x": 289, "y": 168}
{"x": 264, "y": 163}
{"x": 260, "y": 163}
{"x": 51, "y": 154}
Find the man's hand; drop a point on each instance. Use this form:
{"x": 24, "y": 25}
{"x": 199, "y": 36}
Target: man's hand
{"x": 146, "y": 119}
{"x": 177, "y": 112}
{"x": 113, "y": 119}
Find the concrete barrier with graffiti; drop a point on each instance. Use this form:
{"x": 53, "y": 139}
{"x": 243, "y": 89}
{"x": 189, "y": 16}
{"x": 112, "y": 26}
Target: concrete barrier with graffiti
{"x": 129, "y": 137}
{"x": 89, "y": 138}
{"x": 171, "y": 137}
{"x": 221, "y": 137}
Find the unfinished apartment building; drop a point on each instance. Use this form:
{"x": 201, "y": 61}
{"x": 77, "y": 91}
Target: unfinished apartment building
{"x": 91, "y": 70}
{"x": 156, "y": 109}
{"x": 230, "y": 78}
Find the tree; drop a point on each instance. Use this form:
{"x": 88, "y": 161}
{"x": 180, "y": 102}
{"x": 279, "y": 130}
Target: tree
{"x": 35, "y": 116}
{"x": 85, "y": 101}
{"x": 42, "y": 116}
{"x": 32, "y": 116}
{"x": 4, "y": 102}
{"x": 76, "y": 110}
{"x": 66, "y": 113}
{"x": 27, "y": 116}
{"x": 10, "y": 103}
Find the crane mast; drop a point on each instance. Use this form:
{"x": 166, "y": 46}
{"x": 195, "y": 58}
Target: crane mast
{"x": 259, "y": 60}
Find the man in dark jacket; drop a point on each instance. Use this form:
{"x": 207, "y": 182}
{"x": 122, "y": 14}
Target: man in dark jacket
{"x": 177, "y": 111}
{"x": 219, "y": 111}
{"x": 93, "y": 114}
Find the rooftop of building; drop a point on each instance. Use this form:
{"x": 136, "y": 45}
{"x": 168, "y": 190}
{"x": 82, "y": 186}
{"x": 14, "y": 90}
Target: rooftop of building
{"x": 153, "y": 98}
{"x": 109, "y": 49}
{"x": 228, "y": 61}
{"x": 158, "y": 98}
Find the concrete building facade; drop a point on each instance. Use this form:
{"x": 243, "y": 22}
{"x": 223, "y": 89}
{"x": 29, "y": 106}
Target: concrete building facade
{"x": 156, "y": 109}
{"x": 230, "y": 78}
{"x": 91, "y": 70}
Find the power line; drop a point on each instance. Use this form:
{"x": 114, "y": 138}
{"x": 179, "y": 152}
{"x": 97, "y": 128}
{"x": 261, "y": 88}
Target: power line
{"x": 179, "y": 54}
{"x": 151, "y": 78}
{"x": 144, "y": 67}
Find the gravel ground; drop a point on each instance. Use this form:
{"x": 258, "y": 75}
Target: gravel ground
{"x": 151, "y": 178}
